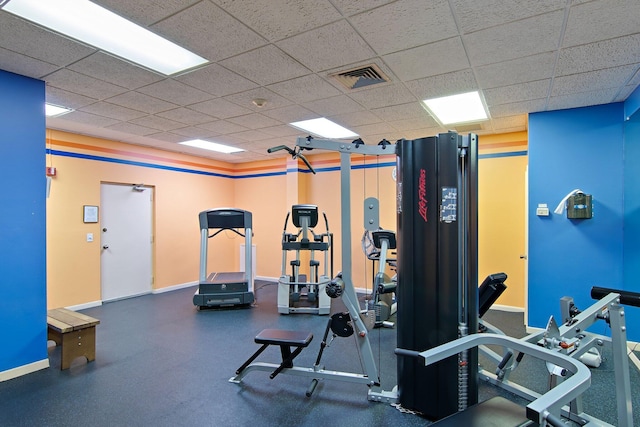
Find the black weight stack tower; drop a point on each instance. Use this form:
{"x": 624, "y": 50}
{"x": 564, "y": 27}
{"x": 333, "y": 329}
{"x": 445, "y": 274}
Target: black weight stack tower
{"x": 437, "y": 269}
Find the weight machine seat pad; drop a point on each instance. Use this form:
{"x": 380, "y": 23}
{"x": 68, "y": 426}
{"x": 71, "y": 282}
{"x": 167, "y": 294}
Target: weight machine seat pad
{"x": 284, "y": 337}
{"x": 495, "y": 412}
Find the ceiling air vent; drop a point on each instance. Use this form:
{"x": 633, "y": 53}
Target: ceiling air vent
{"x": 361, "y": 77}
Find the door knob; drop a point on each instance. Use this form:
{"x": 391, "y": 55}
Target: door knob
{"x": 105, "y": 246}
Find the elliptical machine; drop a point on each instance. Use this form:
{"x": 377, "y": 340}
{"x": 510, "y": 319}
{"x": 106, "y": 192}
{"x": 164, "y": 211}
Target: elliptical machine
{"x": 296, "y": 294}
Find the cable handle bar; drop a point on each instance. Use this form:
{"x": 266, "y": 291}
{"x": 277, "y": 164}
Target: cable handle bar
{"x": 294, "y": 154}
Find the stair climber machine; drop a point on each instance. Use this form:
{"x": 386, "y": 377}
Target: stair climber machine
{"x": 300, "y": 292}
{"x": 376, "y": 245}
{"x": 225, "y": 289}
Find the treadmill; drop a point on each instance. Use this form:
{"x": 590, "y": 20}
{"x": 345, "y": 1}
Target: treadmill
{"x": 225, "y": 289}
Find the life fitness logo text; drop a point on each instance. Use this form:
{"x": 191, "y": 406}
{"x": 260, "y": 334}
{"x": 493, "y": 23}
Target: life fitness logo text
{"x": 422, "y": 192}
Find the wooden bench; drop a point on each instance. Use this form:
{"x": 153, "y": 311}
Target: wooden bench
{"x": 75, "y": 333}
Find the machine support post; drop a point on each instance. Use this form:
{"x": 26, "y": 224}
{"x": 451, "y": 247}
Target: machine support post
{"x": 621, "y": 363}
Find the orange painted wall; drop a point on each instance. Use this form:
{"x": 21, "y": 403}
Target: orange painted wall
{"x": 267, "y": 189}
{"x": 73, "y": 275}
{"x": 501, "y": 212}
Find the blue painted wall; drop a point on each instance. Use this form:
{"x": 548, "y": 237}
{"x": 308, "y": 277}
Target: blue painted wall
{"x": 632, "y": 210}
{"x": 568, "y": 149}
{"x": 23, "y": 296}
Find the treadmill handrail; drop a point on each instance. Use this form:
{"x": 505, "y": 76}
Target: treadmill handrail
{"x": 551, "y": 401}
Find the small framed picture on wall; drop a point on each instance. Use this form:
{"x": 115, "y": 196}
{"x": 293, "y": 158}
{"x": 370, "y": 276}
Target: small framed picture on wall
{"x": 90, "y": 214}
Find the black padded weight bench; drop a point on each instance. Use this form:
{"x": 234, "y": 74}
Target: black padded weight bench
{"x": 286, "y": 340}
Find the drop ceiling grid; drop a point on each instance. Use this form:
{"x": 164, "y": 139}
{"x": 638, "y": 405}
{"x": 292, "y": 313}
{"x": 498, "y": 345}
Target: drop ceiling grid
{"x": 284, "y": 51}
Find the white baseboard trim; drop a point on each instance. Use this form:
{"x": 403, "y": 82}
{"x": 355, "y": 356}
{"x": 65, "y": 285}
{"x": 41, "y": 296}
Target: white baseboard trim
{"x": 174, "y": 287}
{"x": 24, "y": 370}
{"x": 270, "y": 279}
{"x": 84, "y": 306}
{"x": 508, "y": 308}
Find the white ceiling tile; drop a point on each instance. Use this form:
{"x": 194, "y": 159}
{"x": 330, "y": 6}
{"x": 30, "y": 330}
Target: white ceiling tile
{"x": 277, "y": 19}
{"x": 593, "y": 80}
{"x": 216, "y": 80}
{"x": 191, "y": 132}
{"x": 68, "y": 99}
{"x": 145, "y": 12}
{"x": 356, "y": 118}
{"x": 375, "y": 129}
{"x": 514, "y": 48}
{"x": 245, "y": 99}
{"x": 624, "y": 93}
{"x": 173, "y": 91}
{"x": 83, "y": 85}
{"x": 383, "y": 95}
{"x": 221, "y": 127}
{"x": 425, "y": 121}
{"x": 141, "y": 102}
{"x": 583, "y": 99}
{"x": 265, "y": 65}
{"x": 113, "y": 111}
{"x": 478, "y": 14}
{"x": 600, "y": 20}
{"x": 517, "y": 92}
{"x": 220, "y": 108}
{"x": 410, "y": 110}
{"x": 155, "y": 122}
{"x": 514, "y": 108}
{"x": 24, "y": 65}
{"x": 305, "y": 89}
{"x": 599, "y": 55}
{"x": 127, "y": 127}
{"x": 292, "y": 113}
{"x": 192, "y": 28}
{"x": 422, "y": 133}
{"x": 281, "y": 131}
{"x": 350, "y": 7}
{"x": 535, "y": 67}
{"x": 254, "y": 121}
{"x": 442, "y": 85}
{"x": 23, "y": 37}
{"x": 327, "y": 47}
{"x": 335, "y": 105}
{"x": 635, "y": 80}
{"x": 90, "y": 119}
{"x": 405, "y": 24}
{"x": 167, "y": 136}
{"x": 114, "y": 70}
{"x": 412, "y": 64}
{"x": 510, "y": 122}
{"x": 515, "y": 40}
{"x": 186, "y": 116}
{"x": 250, "y": 135}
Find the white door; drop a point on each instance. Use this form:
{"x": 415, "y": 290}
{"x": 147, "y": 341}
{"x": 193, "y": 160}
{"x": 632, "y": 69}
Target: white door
{"x": 126, "y": 239}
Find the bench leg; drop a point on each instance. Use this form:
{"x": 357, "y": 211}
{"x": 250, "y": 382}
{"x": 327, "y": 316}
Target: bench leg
{"x": 75, "y": 344}
{"x": 252, "y": 358}
{"x": 287, "y": 359}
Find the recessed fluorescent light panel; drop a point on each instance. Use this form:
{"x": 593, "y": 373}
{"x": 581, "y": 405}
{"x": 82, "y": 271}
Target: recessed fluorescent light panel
{"x": 51, "y": 110}
{"x": 98, "y": 27}
{"x": 325, "y": 128}
{"x": 212, "y": 146}
{"x": 462, "y": 108}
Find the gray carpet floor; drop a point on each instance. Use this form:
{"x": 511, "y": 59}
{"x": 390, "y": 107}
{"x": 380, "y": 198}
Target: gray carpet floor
{"x": 161, "y": 362}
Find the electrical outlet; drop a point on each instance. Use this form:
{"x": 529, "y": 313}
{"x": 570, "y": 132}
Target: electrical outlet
{"x": 542, "y": 209}
{"x": 89, "y": 237}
